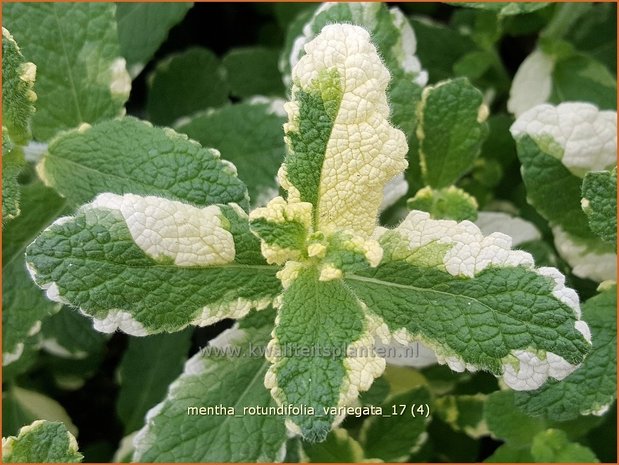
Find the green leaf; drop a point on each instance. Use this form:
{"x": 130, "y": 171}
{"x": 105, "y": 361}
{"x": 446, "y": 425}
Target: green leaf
{"x": 18, "y": 96}
{"x": 229, "y": 373}
{"x": 12, "y": 164}
{"x": 553, "y": 445}
{"x": 70, "y": 335}
{"x": 258, "y": 154}
{"x": 451, "y": 130}
{"x": 464, "y": 413}
{"x": 24, "y": 306}
{"x": 396, "y": 434}
{"x": 557, "y": 146}
{"x": 83, "y": 163}
{"x": 185, "y": 83}
{"x": 505, "y": 8}
{"x": 599, "y": 192}
{"x": 433, "y": 283}
{"x": 143, "y": 27}
{"x": 582, "y": 78}
{"x": 253, "y": 71}
{"x": 20, "y": 407}
{"x": 42, "y": 441}
{"x": 338, "y": 447}
{"x": 393, "y": 37}
{"x": 592, "y": 388}
{"x": 325, "y": 153}
{"x": 81, "y": 77}
{"x": 447, "y": 203}
{"x": 321, "y": 357}
{"x": 148, "y": 265}
{"x": 508, "y": 423}
{"x": 149, "y": 365}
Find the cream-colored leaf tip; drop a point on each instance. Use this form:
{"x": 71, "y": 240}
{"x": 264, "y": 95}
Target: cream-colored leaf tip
{"x": 364, "y": 151}
{"x": 586, "y": 135}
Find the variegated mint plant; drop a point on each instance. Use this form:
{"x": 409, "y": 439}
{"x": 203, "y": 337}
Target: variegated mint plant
{"x": 345, "y": 232}
{"x": 147, "y": 264}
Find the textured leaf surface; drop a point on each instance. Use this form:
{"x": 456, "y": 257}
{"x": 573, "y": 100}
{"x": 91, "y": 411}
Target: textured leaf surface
{"x": 23, "y": 305}
{"x": 20, "y": 407}
{"x": 392, "y": 35}
{"x": 18, "y": 96}
{"x": 148, "y": 366}
{"x": 317, "y": 353}
{"x": 478, "y": 304}
{"x": 599, "y": 192}
{"x": 464, "y": 413}
{"x": 448, "y": 203}
{"x": 83, "y": 163}
{"x": 553, "y": 446}
{"x": 143, "y": 27}
{"x": 147, "y": 265}
{"x": 81, "y": 77}
{"x": 250, "y": 135}
{"x": 592, "y": 388}
{"x": 12, "y": 164}
{"x": 231, "y": 376}
{"x": 185, "y": 83}
{"x": 395, "y": 438}
{"x": 253, "y": 71}
{"x": 338, "y": 134}
{"x": 338, "y": 447}
{"x": 451, "y": 130}
{"x": 41, "y": 442}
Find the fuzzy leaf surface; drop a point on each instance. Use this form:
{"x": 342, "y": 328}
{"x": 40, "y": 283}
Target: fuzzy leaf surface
{"x": 41, "y": 442}
{"x": 81, "y": 77}
{"x": 148, "y": 265}
{"x": 232, "y": 376}
{"x": 599, "y": 192}
{"x": 83, "y": 163}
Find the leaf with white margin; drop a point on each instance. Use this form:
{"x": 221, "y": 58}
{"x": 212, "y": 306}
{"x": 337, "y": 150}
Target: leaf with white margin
{"x": 18, "y": 95}
{"x": 81, "y": 77}
{"x": 505, "y": 8}
{"x": 145, "y": 265}
{"x": 24, "y": 306}
{"x": 338, "y": 134}
{"x": 394, "y": 438}
{"x": 21, "y": 407}
{"x": 532, "y": 84}
{"x": 599, "y": 202}
{"x": 88, "y": 161}
{"x": 143, "y": 27}
{"x": 451, "y": 129}
{"x": 557, "y": 146}
{"x": 12, "y": 165}
{"x": 260, "y": 151}
{"x": 448, "y": 203}
{"x": 474, "y": 301}
{"x": 396, "y": 43}
{"x": 226, "y": 373}
{"x": 592, "y": 388}
{"x": 196, "y": 69}
{"x": 321, "y": 353}
{"x": 463, "y": 413}
{"x": 41, "y": 442}
{"x": 553, "y": 446}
